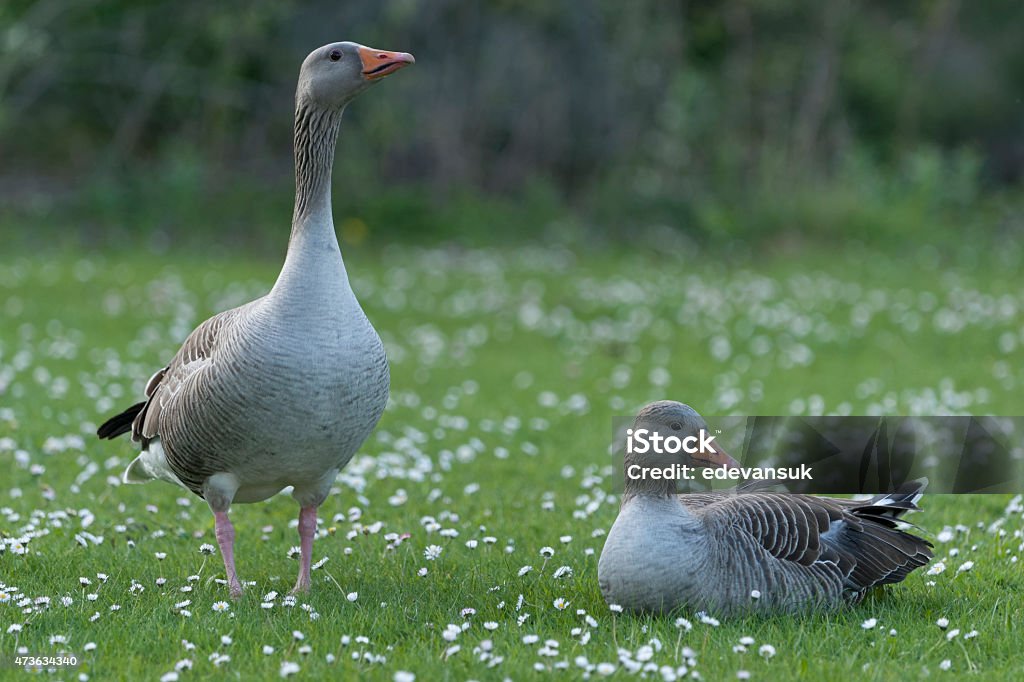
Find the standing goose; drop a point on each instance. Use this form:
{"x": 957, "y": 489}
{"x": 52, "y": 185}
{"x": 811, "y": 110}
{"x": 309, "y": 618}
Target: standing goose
{"x": 283, "y": 390}
{"x": 713, "y": 551}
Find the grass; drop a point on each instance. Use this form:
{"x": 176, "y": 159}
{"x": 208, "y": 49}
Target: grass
{"x": 507, "y": 368}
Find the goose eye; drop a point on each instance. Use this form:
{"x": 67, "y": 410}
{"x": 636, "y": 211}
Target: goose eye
{"x": 676, "y": 426}
{"x": 335, "y": 55}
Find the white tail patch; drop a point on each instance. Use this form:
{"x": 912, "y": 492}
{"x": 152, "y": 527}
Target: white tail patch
{"x": 900, "y": 499}
{"x": 150, "y": 464}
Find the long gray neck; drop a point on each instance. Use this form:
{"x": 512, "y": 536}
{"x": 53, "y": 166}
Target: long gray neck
{"x": 644, "y": 487}
{"x": 316, "y": 137}
{"x": 314, "y": 262}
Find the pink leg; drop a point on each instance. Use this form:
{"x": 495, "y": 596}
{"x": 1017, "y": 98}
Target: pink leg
{"x": 307, "y": 529}
{"x": 226, "y": 539}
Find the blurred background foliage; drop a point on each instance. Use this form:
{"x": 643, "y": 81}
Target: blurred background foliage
{"x": 754, "y": 122}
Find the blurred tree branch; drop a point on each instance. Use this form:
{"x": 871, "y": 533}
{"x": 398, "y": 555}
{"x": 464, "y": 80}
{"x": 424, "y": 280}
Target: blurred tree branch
{"x": 678, "y": 108}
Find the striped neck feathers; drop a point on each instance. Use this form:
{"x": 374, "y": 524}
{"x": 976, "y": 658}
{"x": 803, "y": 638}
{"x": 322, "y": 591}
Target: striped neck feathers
{"x": 316, "y": 136}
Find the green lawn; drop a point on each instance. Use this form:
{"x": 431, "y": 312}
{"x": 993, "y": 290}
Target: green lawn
{"x": 507, "y": 368}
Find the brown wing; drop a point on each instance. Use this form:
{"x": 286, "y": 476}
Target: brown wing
{"x": 863, "y": 543}
{"x": 143, "y": 418}
{"x": 163, "y": 386}
{"x": 789, "y": 527}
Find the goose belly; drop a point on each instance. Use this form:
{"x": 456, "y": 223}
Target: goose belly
{"x": 327, "y": 414}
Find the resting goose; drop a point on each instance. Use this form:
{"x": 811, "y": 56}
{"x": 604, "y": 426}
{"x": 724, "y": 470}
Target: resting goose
{"x": 283, "y": 390}
{"x": 713, "y": 551}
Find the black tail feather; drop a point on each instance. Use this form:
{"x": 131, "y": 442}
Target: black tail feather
{"x": 122, "y": 423}
{"x": 886, "y": 553}
{"x": 895, "y": 504}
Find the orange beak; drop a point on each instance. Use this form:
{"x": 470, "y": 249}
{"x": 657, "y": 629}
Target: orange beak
{"x": 380, "y": 63}
{"x": 720, "y": 459}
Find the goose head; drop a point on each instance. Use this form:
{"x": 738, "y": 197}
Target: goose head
{"x": 332, "y": 75}
{"x": 671, "y": 419}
